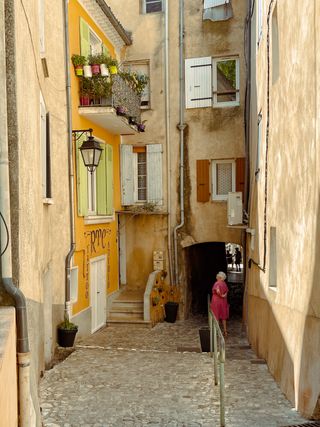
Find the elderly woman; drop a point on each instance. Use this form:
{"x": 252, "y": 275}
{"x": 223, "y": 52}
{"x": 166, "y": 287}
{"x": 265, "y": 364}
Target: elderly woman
{"x": 219, "y": 303}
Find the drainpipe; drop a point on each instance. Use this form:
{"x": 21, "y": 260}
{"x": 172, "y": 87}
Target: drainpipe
{"x": 26, "y": 411}
{"x": 181, "y": 127}
{"x": 67, "y": 309}
{"x": 167, "y": 121}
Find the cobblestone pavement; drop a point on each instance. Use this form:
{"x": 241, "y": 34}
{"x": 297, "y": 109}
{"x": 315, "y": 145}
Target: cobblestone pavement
{"x": 127, "y": 376}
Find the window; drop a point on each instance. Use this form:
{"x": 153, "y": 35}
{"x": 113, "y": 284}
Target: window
{"x": 273, "y": 258}
{"x": 90, "y": 43}
{"x": 151, "y": 6}
{"x": 141, "y": 174}
{"x": 259, "y": 20}
{"x": 212, "y": 82}
{"x": 45, "y": 150}
{"x": 141, "y": 67}
{"x": 223, "y": 178}
{"x": 95, "y": 191}
{"x": 226, "y": 82}
{"x": 259, "y": 136}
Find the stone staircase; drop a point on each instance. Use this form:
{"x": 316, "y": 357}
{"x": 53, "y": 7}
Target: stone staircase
{"x": 127, "y": 308}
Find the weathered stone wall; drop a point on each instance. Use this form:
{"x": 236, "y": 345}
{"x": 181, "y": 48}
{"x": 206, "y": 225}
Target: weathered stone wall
{"x": 284, "y": 320}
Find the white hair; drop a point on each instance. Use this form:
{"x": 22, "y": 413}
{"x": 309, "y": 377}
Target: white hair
{"x": 222, "y": 275}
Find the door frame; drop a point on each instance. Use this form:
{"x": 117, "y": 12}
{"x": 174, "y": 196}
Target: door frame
{"x": 93, "y": 288}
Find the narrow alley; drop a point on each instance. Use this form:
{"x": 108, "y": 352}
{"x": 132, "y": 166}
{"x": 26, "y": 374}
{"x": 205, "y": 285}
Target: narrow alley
{"x": 134, "y": 376}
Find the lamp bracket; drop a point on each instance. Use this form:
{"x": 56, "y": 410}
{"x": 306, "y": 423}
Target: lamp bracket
{"x": 79, "y": 132}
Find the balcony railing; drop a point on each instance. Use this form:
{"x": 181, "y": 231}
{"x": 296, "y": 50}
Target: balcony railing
{"x": 122, "y": 97}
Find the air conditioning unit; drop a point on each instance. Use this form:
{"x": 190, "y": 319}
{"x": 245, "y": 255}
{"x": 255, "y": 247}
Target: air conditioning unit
{"x": 235, "y": 208}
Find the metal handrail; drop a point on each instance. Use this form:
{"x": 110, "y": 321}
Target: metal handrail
{"x": 217, "y": 341}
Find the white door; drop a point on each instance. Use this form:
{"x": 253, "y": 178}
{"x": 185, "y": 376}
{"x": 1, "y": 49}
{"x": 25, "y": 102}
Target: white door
{"x": 98, "y": 288}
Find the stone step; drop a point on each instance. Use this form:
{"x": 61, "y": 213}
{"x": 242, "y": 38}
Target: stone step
{"x": 129, "y": 315}
{"x": 136, "y": 322}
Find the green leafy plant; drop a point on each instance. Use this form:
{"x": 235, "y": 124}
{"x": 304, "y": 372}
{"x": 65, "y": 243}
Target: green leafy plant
{"x": 96, "y": 59}
{"x": 78, "y": 60}
{"x": 101, "y": 86}
{"x": 86, "y": 86}
{"x": 67, "y": 325}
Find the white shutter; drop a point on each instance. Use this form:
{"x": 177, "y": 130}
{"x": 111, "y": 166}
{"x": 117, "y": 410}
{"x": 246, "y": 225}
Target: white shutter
{"x": 154, "y": 173}
{"x": 198, "y": 76}
{"x": 127, "y": 175}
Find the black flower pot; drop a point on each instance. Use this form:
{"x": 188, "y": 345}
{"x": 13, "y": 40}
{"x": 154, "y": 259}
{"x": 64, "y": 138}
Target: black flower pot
{"x": 66, "y": 337}
{"x": 171, "y": 309}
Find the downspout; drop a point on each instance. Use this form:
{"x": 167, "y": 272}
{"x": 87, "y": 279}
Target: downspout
{"x": 181, "y": 127}
{"x": 26, "y": 412}
{"x": 67, "y": 309}
{"x": 167, "y": 121}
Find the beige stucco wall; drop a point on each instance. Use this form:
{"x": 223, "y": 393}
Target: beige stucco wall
{"x": 8, "y": 369}
{"x": 212, "y": 133}
{"x": 41, "y": 231}
{"x": 284, "y": 323}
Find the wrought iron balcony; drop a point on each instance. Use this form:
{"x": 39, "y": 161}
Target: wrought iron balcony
{"x": 116, "y": 109}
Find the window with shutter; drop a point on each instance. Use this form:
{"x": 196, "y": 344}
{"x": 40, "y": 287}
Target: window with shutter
{"x": 154, "y": 174}
{"x": 90, "y": 43}
{"x": 127, "y": 178}
{"x": 198, "y": 82}
{"x": 226, "y": 82}
{"x": 223, "y": 178}
{"x": 203, "y": 190}
{"x": 141, "y": 67}
{"x": 82, "y": 180}
{"x": 45, "y": 150}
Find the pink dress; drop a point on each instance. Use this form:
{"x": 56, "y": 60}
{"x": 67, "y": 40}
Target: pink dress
{"x": 219, "y": 305}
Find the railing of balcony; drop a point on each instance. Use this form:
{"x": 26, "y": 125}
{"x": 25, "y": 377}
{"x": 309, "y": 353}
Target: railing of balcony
{"x": 116, "y": 93}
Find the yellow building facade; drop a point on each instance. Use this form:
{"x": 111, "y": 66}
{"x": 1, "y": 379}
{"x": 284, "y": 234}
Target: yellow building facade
{"x": 95, "y": 271}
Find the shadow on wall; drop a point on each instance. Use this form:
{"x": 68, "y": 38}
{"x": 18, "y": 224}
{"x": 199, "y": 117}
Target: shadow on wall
{"x": 309, "y": 380}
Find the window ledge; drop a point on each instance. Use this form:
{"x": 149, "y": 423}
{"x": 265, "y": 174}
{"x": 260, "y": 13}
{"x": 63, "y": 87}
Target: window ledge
{"x": 47, "y": 201}
{"x": 98, "y": 219}
{"x": 232, "y": 104}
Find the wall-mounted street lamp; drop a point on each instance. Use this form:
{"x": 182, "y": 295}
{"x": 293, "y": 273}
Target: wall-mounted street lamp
{"x": 90, "y": 149}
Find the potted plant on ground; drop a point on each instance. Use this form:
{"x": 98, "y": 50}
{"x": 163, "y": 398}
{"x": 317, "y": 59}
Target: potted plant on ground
{"x": 78, "y": 62}
{"x": 95, "y": 61}
{"x": 85, "y": 90}
{"x": 66, "y": 333}
{"x": 171, "y": 309}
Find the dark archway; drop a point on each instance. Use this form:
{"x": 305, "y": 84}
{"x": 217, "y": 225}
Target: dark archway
{"x": 204, "y": 261}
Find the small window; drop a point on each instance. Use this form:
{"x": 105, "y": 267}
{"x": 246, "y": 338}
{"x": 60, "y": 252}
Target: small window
{"x": 223, "y": 178}
{"x": 226, "y": 82}
{"x": 45, "y": 150}
{"x": 259, "y": 136}
{"x": 141, "y": 68}
{"x": 140, "y": 173}
{"x": 273, "y": 258}
{"x": 152, "y": 6}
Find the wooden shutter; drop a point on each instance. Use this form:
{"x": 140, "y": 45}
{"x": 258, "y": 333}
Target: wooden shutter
{"x": 82, "y": 180}
{"x": 154, "y": 174}
{"x": 109, "y": 164}
{"x": 101, "y": 183}
{"x": 84, "y": 38}
{"x": 203, "y": 184}
{"x": 198, "y": 77}
{"x": 127, "y": 175}
{"x": 105, "y": 50}
{"x": 240, "y": 174}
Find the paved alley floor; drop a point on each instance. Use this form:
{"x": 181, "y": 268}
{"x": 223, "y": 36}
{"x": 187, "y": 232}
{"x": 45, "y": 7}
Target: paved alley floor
{"x": 127, "y": 376}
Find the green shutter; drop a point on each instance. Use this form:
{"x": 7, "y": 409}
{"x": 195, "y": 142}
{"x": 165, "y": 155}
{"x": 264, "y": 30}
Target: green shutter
{"x": 101, "y": 176}
{"x": 109, "y": 180}
{"x": 105, "y": 50}
{"x": 82, "y": 181}
{"x": 84, "y": 38}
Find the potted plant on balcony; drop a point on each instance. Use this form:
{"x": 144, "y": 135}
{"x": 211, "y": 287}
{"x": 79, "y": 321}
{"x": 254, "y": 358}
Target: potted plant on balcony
{"x": 113, "y": 66}
{"x": 141, "y": 126}
{"x": 104, "y": 70}
{"x": 67, "y": 333}
{"x": 85, "y": 91}
{"x": 78, "y": 62}
{"x": 101, "y": 90}
{"x": 95, "y": 61}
